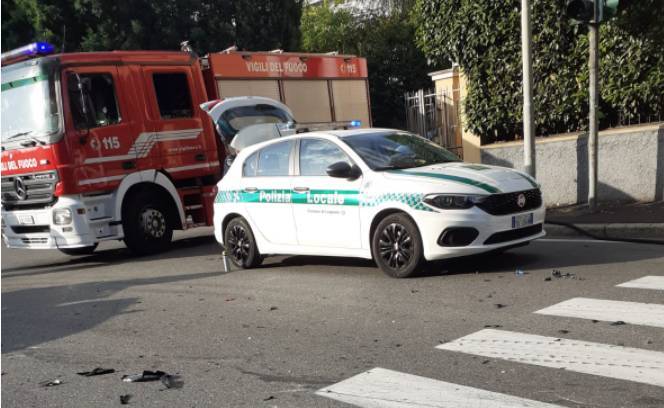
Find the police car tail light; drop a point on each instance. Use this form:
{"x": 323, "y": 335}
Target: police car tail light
{"x": 453, "y": 201}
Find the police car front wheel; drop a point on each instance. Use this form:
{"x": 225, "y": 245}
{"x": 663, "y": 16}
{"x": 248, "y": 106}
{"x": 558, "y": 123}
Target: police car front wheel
{"x": 240, "y": 244}
{"x": 397, "y": 246}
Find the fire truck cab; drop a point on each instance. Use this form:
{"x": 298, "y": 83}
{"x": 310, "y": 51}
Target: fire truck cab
{"x": 111, "y": 145}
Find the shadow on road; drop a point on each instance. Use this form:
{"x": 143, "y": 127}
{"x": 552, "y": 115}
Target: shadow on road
{"x": 196, "y": 246}
{"x": 539, "y": 255}
{"x": 38, "y": 315}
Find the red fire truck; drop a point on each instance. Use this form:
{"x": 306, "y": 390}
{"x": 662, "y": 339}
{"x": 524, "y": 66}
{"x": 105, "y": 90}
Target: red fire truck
{"x": 114, "y": 145}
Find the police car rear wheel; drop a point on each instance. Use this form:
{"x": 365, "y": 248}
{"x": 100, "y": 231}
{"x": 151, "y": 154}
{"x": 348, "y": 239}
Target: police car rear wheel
{"x": 397, "y": 246}
{"x": 241, "y": 245}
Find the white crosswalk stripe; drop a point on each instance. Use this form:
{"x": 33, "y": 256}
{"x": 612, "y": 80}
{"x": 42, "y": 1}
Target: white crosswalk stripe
{"x": 382, "y": 388}
{"x": 646, "y": 314}
{"x": 623, "y": 363}
{"x": 646, "y": 282}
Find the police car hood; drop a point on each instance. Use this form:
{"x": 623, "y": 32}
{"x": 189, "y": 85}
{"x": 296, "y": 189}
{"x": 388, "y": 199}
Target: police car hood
{"x": 482, "y": 178}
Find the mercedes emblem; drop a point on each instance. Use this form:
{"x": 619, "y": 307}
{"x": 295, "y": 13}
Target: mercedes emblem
{"x": 521, "y": 200}
{"x": 20, "y": 189}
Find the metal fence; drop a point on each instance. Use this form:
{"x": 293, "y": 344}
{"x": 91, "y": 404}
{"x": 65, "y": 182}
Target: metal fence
{"x": 434, "y": 116}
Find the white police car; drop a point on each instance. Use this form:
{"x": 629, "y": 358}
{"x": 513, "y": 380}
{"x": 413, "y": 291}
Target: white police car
{"x": 380, "y": 194}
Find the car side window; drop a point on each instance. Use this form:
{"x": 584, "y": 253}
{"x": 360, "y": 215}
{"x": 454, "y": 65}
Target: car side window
{"x": 173, "y": 96}
{"x": 249, "y": 166}
{"x": 101, "y": 105}
{"x": 274, "y": 160}
{"x": 316, "y": 155}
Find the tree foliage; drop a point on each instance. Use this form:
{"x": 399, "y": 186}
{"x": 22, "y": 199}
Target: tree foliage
{"x": 210, "y": 25}
{"x": 385, "y": 39}
{"x": 483, "y": 36}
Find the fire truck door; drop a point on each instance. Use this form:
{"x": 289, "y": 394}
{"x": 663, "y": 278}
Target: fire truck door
{"x": 100, "y": 128}
{"x": 176, "y": 125}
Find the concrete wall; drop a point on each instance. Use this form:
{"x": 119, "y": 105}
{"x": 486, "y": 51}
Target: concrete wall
{"x": 631, "y": 164}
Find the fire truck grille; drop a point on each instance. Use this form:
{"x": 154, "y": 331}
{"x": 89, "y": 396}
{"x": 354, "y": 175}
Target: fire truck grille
{"x": 29, "y": 189}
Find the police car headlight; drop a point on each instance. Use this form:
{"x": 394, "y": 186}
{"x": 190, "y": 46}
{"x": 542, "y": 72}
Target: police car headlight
{"x": 453, "y": 201}
{"x": 62, "y": 216}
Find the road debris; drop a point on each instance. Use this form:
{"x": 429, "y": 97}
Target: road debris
{"x": 124, "y": 399}
{"x": 273, "y": 308}
{"x": 172, "y": 381}
{"x": 499, "y": 305}
{"x": 519, "y": 272}
{"x": 271, "y": 397}
{"x": 144, "y": 377}
{"x": 563, "y": 331}
{"x": 97, "y": 371}
{"x": 618, "y": 323}
{"x": 51, "y": 383}
{"x": 492, "y": 326}
{"x": 557, "y": 274}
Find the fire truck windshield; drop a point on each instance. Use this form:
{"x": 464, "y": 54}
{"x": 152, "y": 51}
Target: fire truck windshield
{"x": 29, "y": 107}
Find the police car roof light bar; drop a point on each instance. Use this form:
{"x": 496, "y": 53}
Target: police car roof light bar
{"x": 27, "y": 51}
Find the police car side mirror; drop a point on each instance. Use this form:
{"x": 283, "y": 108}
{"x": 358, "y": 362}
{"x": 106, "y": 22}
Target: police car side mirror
{"x": 343, "y": 170}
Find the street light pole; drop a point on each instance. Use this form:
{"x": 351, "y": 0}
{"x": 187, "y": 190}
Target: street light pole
{"x": 528, "y": 137}
{"x": 593, "y": 65}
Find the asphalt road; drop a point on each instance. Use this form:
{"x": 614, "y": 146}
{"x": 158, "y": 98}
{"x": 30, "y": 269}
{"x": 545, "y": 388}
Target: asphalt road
{"x": 274, "y": 335}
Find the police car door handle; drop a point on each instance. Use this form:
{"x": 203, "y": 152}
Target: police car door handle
{"x": 250, "y": 189}
{"x": 301, "y": 189}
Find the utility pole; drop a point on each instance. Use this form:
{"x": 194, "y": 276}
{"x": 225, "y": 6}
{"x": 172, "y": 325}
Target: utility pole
{"x": 528, "y": 136}
{"x": 593, "y": 65}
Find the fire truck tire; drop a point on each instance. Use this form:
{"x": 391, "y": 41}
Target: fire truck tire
{"x": 88, "y": 250}
{"x": 148, "y": 223}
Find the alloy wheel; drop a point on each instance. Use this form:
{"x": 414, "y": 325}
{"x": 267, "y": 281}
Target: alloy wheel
{"x": 395, "y": 246}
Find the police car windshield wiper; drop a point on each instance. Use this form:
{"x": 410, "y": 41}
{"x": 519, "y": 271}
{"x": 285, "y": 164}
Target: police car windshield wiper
{"x": 394, "y": 167}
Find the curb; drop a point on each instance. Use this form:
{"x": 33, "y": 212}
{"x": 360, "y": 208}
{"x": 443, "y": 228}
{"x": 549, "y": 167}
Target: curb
{"x": 610, "y": 230}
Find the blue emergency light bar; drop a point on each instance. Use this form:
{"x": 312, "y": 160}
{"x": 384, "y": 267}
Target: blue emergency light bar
{"x": 27, "y": 51}
{"x": 355, "y": 123}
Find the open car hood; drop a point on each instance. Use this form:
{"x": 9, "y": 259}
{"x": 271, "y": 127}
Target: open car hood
{"x": 246, "y": 120}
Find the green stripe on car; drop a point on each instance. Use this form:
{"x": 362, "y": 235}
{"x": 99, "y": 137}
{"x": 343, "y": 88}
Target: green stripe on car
{"x": 529, "y": 179}
{"x": 448, "y": 177}
{"x": 320, "y": 197}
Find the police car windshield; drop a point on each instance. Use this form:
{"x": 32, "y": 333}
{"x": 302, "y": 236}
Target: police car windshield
{"x": 397, "y": 150}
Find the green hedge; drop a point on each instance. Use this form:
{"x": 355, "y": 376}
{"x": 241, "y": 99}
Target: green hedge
{"x": 484, "y": 37}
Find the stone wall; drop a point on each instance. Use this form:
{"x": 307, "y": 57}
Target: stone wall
{"x": 630, "y": 164}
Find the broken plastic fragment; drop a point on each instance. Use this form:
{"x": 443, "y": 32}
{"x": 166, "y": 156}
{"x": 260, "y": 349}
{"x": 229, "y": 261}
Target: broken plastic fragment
{"x": 144, "y": 377}
{"x": 97, "y": 371}
{"x": 172, "y": 381}
{"x": 51, "y": 383}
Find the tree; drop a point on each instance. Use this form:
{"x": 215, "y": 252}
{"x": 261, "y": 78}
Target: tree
{"x": 483, "y": 36}
{"x": 210, "y": 25}
{"x": 16, "y": 28}
{"x": 386, "y": 40}
{"x": 268, "y": 24}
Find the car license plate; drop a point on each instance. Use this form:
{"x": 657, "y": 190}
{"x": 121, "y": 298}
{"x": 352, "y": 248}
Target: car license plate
{"x": 522, "y": 220}
{"x": 26, "y": 219}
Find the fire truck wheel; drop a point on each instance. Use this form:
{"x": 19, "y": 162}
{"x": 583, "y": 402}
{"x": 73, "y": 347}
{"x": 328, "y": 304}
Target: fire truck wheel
{"x": 88, "y": 250}
{"x": 147, "y": 224}
{"x": 241, "y": 244}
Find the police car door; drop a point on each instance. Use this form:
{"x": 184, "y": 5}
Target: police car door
{"x": 326, "y": 209}
{"x": 267, "y": 187}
